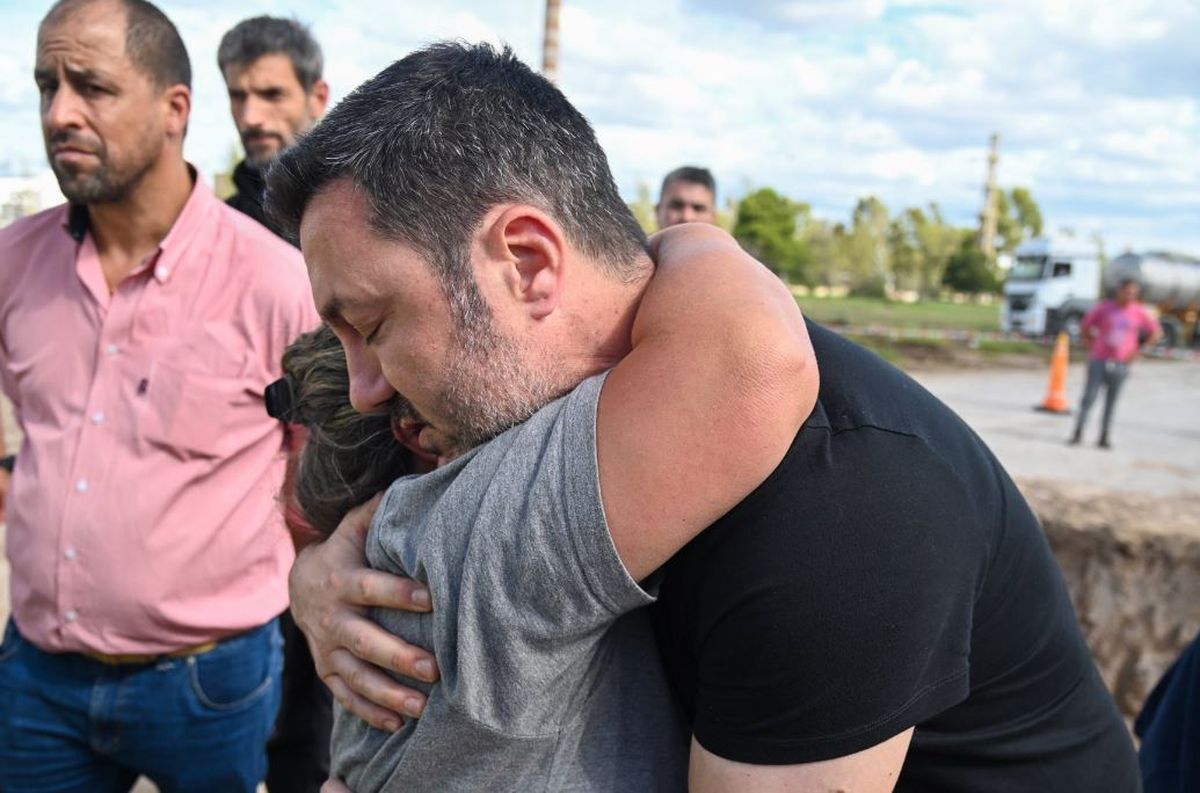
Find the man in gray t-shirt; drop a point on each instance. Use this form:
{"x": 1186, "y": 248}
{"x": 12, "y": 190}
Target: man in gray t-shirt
{"x": 548, "y": 681}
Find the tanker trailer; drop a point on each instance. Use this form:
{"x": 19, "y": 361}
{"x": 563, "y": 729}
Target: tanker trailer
{"x": 1171, "y": 283}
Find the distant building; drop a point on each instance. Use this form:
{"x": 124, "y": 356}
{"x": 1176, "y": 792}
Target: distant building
{"x": 25, "y": 195}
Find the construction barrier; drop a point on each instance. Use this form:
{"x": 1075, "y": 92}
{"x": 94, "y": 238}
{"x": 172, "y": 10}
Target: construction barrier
{"x": 1056, "y": 394}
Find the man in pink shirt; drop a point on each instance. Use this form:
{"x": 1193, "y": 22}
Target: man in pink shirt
{"x": 1114, "y": 330}
{"x": 139, "y": 326}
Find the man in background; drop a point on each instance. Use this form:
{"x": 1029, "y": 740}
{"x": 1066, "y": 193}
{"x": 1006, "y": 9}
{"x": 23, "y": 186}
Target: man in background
{"x": 139, "y": 326}
{"x": 272, "y": 69}
{"x": 1114, "y": 330}
{"x": 688, "y": 195}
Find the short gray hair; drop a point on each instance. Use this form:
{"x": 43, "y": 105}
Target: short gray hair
{"x": 437, "y": 139}
{"x": 253, "y": 38}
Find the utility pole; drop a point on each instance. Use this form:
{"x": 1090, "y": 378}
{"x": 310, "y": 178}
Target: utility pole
{"x": 550, "y": 42}
{"x": 989, "y": 219}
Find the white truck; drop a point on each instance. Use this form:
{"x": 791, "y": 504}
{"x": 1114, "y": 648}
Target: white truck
{"x": 1053, "y": 282}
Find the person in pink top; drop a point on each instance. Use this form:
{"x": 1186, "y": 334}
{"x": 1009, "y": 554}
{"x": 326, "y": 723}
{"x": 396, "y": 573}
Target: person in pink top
{"x": 1115, "y": 330}
{"x": 139, "y": 326}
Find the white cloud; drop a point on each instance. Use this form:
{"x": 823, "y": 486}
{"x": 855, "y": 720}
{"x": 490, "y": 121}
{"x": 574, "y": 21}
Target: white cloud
{"x": 827, "y": 100}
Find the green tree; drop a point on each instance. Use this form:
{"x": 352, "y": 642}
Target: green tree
{"x": 968, "y": 270}
{"x": 1013, "y": 229}
{"x": 766, "y": 227}
{"x": 906, "y": 244}
{"x": 1029, "y": 214}
{"x": 643, "y": 209}
{"x": 938, "y": 242}
{"x": 867, "y": 249}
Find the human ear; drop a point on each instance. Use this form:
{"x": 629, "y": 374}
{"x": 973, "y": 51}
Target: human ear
{"x": 528, "y": 250}
{"x": 178, "y": 99}
{"x": 318, "y": 98}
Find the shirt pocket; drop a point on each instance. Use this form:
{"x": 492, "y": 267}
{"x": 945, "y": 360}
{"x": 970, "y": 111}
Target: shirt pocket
{"x": 199, "y": 415}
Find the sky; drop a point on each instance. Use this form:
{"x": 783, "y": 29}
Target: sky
{"x": 1097, "y": 102}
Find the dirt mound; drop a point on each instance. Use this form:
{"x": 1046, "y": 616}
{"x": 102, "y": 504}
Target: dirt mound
{"x": 1132, "y": 564}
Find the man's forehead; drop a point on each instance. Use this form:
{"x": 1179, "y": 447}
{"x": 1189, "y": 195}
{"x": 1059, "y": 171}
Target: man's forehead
{"x": 340, "y": 249}
{"x": 271, "y": 69}
{"x": 693, "y": 190}
{"x": 91, "y": 23}
{"x": 333, "y": 206}
{"x": 84, "y": 38}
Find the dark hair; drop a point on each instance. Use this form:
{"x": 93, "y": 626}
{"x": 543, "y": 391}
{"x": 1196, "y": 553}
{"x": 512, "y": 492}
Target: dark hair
{"x": 251, "y": 39}
{"x": 349, "y": 456}
{"x": 689, "y": 173}
{"x": 440, "y": 137}
{"x": 152, "y": 42}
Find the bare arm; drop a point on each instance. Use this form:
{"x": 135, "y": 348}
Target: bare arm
{"x": 719, "y": 381}
{"x": 873, "y": 770}
{"x": 1156, "y": 331}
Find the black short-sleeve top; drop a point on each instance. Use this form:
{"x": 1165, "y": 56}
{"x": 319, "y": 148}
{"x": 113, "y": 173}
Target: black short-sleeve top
{"x": 888, "y": 575}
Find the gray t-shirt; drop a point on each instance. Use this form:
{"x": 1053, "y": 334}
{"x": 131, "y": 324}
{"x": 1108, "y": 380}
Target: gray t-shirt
{"x": 551, "y": 680}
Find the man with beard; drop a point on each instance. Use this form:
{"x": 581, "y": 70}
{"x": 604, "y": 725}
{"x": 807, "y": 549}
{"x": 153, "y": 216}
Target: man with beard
{"x": 882, "y": 612}
{"x": 688, "y": 195}
{"x": 272, "y": 70}
{"x": 139, "y": 326}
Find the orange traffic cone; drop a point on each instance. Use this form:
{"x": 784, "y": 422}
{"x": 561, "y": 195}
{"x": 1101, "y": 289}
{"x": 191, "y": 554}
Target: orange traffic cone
{"x": 1056, "y": 396}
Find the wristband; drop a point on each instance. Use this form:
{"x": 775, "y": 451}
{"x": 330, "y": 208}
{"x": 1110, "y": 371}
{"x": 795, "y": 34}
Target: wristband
{"x": 8, "y": 463}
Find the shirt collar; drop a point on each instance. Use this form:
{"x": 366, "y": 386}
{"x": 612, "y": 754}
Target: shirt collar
{"x": 191, "y": 219}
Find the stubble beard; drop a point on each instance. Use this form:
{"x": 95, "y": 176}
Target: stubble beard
{"x": 108, "y": 183}
{"x": 491, "y": 387}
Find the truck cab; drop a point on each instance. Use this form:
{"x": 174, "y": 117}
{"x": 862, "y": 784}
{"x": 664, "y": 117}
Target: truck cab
{"x": 1049, "y": 288}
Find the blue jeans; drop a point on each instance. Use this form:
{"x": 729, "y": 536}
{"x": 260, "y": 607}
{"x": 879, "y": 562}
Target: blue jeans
{"x": 71, "y": 723}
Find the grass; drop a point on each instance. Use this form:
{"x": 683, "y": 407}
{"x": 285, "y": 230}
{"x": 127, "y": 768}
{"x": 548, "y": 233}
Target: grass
{"x": 1012, "y": 347}
{"x": 927, "y": 314}
{"x": 905, "y": 352}
{"x": 938, "y": 353}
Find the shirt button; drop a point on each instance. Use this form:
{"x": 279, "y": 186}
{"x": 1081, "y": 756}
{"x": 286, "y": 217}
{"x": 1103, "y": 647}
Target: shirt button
{"x": 98, "y": 417}
{"x": 72, "y": 615}
{"x": 70, "y": 554}
{"x": 112, "y": 349}
{"x": 81, "y": 486}
{"x": 161, "y": 272}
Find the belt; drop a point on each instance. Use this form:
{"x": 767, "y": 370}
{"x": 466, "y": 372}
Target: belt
{"x": 130, "y": 659}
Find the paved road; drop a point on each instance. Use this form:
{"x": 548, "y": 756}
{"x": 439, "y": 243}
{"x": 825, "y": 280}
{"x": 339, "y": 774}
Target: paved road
{"x": 1156, "y": 431}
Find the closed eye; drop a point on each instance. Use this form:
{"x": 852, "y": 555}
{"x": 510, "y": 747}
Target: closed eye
{"x": 374, "y": 334}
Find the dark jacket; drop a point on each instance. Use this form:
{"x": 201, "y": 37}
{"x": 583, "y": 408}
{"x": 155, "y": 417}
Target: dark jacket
{"x": 250, "y": 183}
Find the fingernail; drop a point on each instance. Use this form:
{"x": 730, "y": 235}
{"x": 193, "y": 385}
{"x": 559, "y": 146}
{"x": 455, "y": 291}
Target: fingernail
{"x": 420, "y": 597}
{"x": 414, "y": 707}
{"x": 392, "y": 725}
{"x": 425, "y": 670}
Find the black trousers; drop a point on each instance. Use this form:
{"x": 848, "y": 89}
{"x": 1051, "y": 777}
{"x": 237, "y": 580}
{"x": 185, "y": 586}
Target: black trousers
{"x": 298, "y": 750}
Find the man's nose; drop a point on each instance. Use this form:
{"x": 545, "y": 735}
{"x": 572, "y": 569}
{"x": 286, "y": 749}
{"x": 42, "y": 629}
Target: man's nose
{"x": 369, "y": 389}
{"x": 251, "y": 115}
{"x": 62, "y": 111}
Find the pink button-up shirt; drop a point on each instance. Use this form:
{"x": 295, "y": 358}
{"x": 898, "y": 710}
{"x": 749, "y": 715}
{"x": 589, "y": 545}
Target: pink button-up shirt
{"x": 1118, "y": 329}
{"x": 142, "y": 516}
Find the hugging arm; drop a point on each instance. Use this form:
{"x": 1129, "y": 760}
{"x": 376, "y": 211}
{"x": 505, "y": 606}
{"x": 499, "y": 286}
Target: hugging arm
{"x": 720, "y": 378}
